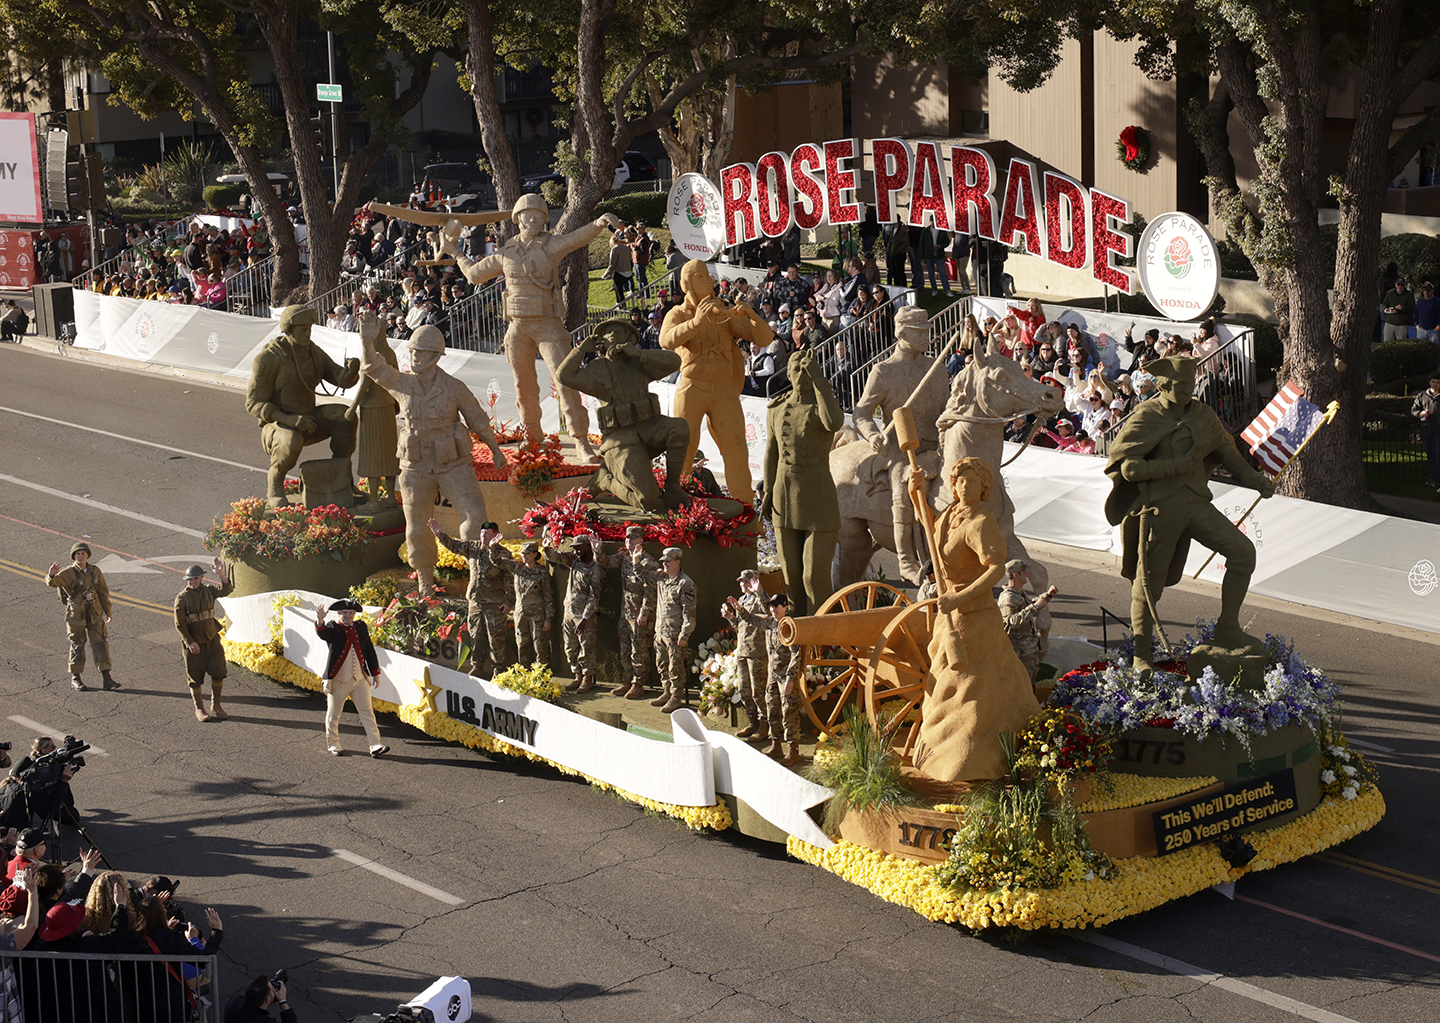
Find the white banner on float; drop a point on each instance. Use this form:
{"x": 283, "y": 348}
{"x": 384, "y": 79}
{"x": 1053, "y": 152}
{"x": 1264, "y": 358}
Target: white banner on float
{"x": 1375, "y": 567}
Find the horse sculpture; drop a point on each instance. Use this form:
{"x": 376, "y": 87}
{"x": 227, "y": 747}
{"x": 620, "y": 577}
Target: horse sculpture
{"x": 990, "y": 391}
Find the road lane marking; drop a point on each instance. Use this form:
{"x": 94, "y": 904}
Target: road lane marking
{"x": 1424, "y": 884}
{"x": 1224, "y": 983}
{"x": 102, "y": 506}
{"x": 1369, "y": 745}
{"x": 54, "y": 733}
{"x": 1336, "y": 927}
{"x": 131, "y": 440}
{"x": 115, "y": 598}
{"x": 397, "y": 877}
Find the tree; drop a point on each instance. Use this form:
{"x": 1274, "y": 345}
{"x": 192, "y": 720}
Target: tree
{"x": 1273, "y": 62}
{"x": 172, "y": 56}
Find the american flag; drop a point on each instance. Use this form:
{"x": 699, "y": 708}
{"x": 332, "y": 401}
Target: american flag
{"x": 1281, "y": 427}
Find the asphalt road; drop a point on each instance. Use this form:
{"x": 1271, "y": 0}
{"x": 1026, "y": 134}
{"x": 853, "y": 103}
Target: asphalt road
{"x": 560, "y": 903}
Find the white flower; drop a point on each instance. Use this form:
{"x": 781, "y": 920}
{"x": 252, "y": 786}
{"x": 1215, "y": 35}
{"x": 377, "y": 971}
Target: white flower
{"x": 1327, "y": 777}
{"x": 1349, "y": 770}
{"x": 1350, "y": 792}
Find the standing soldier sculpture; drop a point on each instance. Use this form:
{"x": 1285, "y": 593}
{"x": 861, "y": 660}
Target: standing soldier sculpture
{"x": 674, "y": 622}
{"x": 749, "y": 613}
{"x": 488, "y": 596}
{"x": 904, "y": 378}
{"x": 534, "y": 603}
{"x": 440, "y": 414}
{"x": 376, "y": 457}
{"x": 582, "y": 605}
{"x": 533, "y": 305}
{"x": 281, "y": 396}
{"x": 200, "y": 634}
{"x": 86, "y": 597}
{"x": 632, "y": 430}
{"x": 703, "y": 329}
{"x": 638, "y": 575}
{"x": 800, "y": 498}
{"x": 1160, "y": 464}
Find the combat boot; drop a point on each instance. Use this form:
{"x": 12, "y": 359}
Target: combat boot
{"x": 76, "y": 682}
{"x": 673, "y": 703}
{"x": 637, "y": 692}
{"x": 777, "y": 750}
{"x": 664, "y": 697}
{"x": 110, "y": 682}
{"x": 751, "y": 727}
{"x": 574, "y": 684}
{"x": 587, "y": 685}
{"x": 216, "y": 711}
{"x": 200, "y": 714}
{"x": 762, "y": 732}
{"x": 622, "y": 689}
{"x": 793, "y": 757}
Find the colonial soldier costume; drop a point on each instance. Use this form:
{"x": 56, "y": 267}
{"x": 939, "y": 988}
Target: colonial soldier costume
{"x": 534, "y": 602}
{"x": 587, "y": 567}
{"x": 782, "y": 702}
{"x": 1018, "y": 612}
{"x": 87, "y": 613}
{"x": 488, "y": 595}
{"x": 639, "y": 573}
{"x": 200, "y": 636}
{"x": 351, "y": 671}
{"x": 674, "y": 622}
{"x": 749, "y": 613}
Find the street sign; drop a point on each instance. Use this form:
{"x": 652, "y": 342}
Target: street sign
{"x": 329, "y": 93}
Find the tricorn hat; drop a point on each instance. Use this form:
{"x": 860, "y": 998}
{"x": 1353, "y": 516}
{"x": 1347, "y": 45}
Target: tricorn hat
{"x": 346, "y": 604}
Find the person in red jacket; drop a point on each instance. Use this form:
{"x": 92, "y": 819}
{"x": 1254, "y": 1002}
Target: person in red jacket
{"x": 351, "y": 671}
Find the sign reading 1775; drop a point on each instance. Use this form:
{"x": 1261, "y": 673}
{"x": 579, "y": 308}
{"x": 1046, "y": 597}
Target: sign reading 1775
{"x": 329, "y": 93}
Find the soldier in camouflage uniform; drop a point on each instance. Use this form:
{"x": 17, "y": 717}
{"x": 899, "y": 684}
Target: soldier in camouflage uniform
{"x": 534, "y": 605}
{"x": 489, "y": 597}
{"x": 929, "y": 589}
{"x": 749, "y": 615}
{"x": 1018, "y": 612}
{"x": 674, "y": 621}
{"x": 587, "y": 567}
{"x": 638, "y": 574}
{"x": 782, "y": 702}
{"x": 200, "y": 634}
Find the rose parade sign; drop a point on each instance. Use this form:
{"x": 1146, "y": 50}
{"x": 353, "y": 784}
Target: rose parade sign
{"x": 1179, "y": 266}
{"x": 953, "y": 187}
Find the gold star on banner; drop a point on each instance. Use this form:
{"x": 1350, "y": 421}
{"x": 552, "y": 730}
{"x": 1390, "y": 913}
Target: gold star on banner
{"x": 428, "y": 692}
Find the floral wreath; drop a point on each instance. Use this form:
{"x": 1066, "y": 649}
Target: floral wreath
{"x": 1133, "y": 147}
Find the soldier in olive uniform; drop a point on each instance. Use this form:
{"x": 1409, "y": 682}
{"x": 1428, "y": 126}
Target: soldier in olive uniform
{"x": 534, "y": 605}
{"x": 674, "y": 622}
{"x": 638, "y": 575}
{"x": 87, "y": 613}
{"x": 1018, "y": 612}
{"x": 749, "y": 614}
{"x": 782, "y": 702}
{"x": 489, "y": 596}
{"x": 200, "y": 634}
{"x": 587, "y": 567}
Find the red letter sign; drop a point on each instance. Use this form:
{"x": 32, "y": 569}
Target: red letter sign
{"x": 974, "y": 177}
{"x": 1065, "y": 207}
{"x": 838, "y": 181}
{"x": 892, "y": 173}
{"x": 1018, "y": 214}
{"x": 737, "y": 187}
{"x": 809, "y": 196}
{"x": 1104, "y": 208}
{"x": 928, "y": 193}
{"x": 772, "y": 194}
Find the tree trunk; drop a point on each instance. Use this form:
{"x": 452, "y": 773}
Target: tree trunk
{"x": 480, "y": 66}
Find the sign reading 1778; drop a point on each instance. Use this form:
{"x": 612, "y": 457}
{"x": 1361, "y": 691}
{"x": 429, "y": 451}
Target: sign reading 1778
{"x": 329, "y": 93}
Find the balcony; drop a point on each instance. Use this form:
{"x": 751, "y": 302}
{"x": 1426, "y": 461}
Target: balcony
{"x": 517, "y": 86}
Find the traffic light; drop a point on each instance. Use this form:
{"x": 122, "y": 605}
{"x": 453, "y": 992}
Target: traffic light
{"x": 320, "y": 129}
{"x": 85, "y": 181}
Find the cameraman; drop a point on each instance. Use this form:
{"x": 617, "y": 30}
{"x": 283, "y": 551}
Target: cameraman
{"x": 253, "y": 1004}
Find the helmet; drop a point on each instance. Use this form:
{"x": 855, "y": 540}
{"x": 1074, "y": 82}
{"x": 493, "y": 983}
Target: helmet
{"x": 81, "y": 547}
{"x": 195, "y": 572}
{"x": 426, "y": 339}
{"x": 294, "y": 315}
{"x": 529, "y": 201}
{"x": 616, "y": 332}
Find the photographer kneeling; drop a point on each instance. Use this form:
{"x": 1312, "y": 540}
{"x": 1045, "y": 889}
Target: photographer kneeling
{"x": 253, "y": 1004}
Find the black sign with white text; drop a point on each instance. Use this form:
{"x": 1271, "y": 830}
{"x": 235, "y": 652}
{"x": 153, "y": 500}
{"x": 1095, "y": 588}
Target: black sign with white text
{"x": 1241, "y": 805}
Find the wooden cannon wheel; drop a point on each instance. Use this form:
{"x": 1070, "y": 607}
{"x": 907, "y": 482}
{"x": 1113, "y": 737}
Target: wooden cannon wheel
{"x": 849, "y": 655}
{"x": 895, "y": 673}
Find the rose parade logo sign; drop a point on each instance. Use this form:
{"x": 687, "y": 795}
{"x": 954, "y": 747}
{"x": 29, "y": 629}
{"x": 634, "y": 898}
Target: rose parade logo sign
{"x": 1179, "y": 266}
{"x": 692, "y": 212}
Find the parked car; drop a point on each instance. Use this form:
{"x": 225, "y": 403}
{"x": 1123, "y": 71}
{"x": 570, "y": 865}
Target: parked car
{"x": 464, "y": 188}
{"x": 635, "y": 166}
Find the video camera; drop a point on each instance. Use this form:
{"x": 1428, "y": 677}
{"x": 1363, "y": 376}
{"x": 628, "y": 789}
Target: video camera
{"x": 67, "y": 752}
{"x": 43, "y": 790}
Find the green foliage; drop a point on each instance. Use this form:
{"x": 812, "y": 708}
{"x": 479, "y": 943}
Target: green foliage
{"x": 553, "y": 192}
{"x": 1234, "y": 264}
{"x": 1417, "y": 256}
{"x": 864, "y": 770}
{"x": 277, "y": 618}
{"x": 219, "y": 197}
{"x": 646, "y": 207}
{"x": 1402, "y": 360}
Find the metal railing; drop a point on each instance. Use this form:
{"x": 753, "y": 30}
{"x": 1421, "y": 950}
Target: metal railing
{"x": 248, "y": 292}
{"x": 848, "y": 355}
{"x": 1393, "y": 451}
{"x": 103, "y": 270}
{"x": 74, "y": 987}
{"x": 947, "y": 321}
{"x": 385, "y": 274}
{"x": 477, "y": 322}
